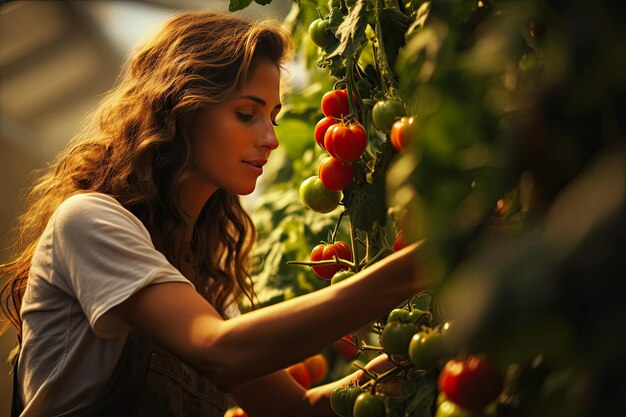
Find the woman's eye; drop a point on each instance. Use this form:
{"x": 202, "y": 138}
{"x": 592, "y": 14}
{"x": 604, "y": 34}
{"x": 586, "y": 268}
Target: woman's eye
{"x": 245, "y": 117}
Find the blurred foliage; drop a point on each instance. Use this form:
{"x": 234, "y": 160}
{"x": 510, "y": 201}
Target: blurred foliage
{"x": 516, "y": 177}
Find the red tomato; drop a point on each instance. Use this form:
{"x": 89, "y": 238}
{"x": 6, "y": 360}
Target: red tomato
{"x": 472, "y": 383}
{"x": 335, "y": 174}
{"x": 345, "y": 347}
{"x": 335, "y": 104}
{"x": 317, "y": 367}
{"x": 300, "y": 374}
{"x": 402, "y": 132}
{"x": 399, "y": 242}
{"x": 321, "y": 128}
{"x": 346, "y": 143}
{"x": 323, "y": 252}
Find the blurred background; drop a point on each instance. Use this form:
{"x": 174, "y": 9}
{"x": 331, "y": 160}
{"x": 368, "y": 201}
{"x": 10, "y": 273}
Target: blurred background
{"x": 57, "y": 58}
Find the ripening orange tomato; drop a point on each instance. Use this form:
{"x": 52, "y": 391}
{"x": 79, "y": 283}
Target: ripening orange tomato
{"x": 317, "y": 367}
{"x": 300, "y": 373}
{"x": 402, "y": 132}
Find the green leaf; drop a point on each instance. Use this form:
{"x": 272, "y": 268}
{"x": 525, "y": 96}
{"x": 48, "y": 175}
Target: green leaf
{"x": 335, "y": 18}
{"x": 262, "y": 2}
{"x": 422, "y": 301}
{"x": 236, "y": 5}
{"x": 420, "y": 18}
{"x": 394, "y": 25}
{"x": 365, "y": 206}
{"x": 365, "y": 200}
{"x": 351, "y": 32}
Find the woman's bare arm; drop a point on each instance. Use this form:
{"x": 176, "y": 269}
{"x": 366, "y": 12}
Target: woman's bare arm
{"x": 258, "y": 397}
{"x": 237, "y": 351}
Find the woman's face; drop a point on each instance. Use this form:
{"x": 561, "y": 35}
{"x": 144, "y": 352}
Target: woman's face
{"x": 232, "y": 140}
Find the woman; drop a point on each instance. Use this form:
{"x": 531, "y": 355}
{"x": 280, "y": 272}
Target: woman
{"x": 135, "y": 246}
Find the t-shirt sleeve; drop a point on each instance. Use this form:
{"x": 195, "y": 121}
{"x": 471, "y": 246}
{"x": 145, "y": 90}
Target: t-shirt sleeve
{"x": 105, "y": 256}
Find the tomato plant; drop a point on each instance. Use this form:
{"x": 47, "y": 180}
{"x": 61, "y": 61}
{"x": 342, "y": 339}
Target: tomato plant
{"x": 320, "y": 130}
{"x": 474, "y": 108}
{"x": 346, "y": 143}
{"x": 471, "y": 383}
{"x": 385, "y": 113}
{"x": 402, "y": 132}
{"x": 335, "y": 104}
{"x": 324, "y": 252}
{"x": 335, "y": 174}
{"x": 317, "y": 197}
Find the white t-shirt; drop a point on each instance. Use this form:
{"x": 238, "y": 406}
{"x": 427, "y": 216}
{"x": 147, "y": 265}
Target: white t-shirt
{"x": 93, "y": 255}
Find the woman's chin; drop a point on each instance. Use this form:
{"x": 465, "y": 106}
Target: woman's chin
{"x": 244, "y": 190}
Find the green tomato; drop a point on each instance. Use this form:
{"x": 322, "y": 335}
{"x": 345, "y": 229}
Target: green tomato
{"x": 319, "y": 34}
{"x": 385, "y": 113}
{"x": 368, "y": 405}
{"x": 351, "y": 396}
{"x": 426, "y": 349}
{"x": 418, "y": 317}
{"x": 338, "y": 401}
{"x": 396, "y": 337}
{"x": 317, "y": 197}
{"x": 340, "y": 276}
{"x": 398, "y": 314}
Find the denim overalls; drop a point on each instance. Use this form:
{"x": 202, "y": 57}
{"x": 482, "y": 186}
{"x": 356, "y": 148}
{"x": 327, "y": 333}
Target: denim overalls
{"x": 149, "y": 381}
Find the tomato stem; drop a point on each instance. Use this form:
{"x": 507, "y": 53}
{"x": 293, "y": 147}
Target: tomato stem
{"x": 358, "y": 240}
{"x": 352, "y": 90}
{"x": 386, "y": 375}
{"x": 380, "y": 255}
{"x": 371, "y": 375}
{"x": 333, "y": 236}
{"x": 374, "y": 348}
{"x": 386, "y": 79}
{"x": 355, "y": 249}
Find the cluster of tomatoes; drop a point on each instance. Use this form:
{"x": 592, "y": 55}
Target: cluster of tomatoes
{"x": 468, "y": 386}
{"x": 345, "y": 141}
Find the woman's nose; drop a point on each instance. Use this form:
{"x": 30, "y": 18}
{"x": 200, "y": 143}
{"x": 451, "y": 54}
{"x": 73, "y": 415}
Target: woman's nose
{"x": 269, "y": 139}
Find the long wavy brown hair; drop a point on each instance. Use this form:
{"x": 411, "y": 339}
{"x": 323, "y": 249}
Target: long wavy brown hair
{"x": 136, "y": 145}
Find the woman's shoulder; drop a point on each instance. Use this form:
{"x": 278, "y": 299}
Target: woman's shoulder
{"x": 85, "y": 210}
{"x": 89, "y": 198}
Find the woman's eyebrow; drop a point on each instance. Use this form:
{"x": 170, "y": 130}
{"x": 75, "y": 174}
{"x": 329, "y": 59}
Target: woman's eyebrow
{"x": 260, "y": 101}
